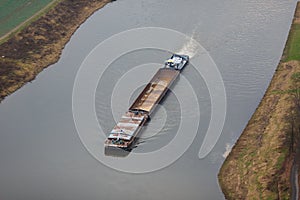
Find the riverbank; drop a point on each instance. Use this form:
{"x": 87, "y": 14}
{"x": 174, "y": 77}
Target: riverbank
{"x": 40, "y": 44}
{"x": 18, "y": 15}
{"x": 259, "y": 165}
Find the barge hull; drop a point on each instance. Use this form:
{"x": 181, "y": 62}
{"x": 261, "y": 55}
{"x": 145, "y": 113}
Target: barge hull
{"x": 155, "y": 90}
{"x": 127, "y": 129}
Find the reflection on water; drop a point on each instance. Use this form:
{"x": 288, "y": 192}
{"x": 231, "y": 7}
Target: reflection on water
{"x": 41, "y": 156}
{"x": 116, "y": 152}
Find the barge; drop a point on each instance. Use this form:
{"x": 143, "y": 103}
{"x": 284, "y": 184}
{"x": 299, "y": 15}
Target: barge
{"x": 125, "y": 132}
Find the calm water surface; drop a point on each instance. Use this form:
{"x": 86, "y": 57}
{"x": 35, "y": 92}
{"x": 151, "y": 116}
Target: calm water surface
{"x": 41, "y": 156}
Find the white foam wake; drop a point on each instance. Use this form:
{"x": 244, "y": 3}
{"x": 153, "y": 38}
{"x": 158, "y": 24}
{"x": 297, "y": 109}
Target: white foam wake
{"x": 190, "y": 48}
{"x": 227, "y": 150}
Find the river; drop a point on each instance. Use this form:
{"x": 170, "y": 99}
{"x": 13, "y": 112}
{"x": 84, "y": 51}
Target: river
{"x": 41, "y": 154}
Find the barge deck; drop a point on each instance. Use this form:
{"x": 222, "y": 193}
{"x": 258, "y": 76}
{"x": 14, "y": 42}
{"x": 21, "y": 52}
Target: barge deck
{"x": 126, "y": 130}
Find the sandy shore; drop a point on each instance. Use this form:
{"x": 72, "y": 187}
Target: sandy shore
{"x": 40, "y": 44}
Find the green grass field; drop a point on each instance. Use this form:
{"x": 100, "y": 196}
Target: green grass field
{"x": 14, "y": 12}
{"x": 293, "y": 44}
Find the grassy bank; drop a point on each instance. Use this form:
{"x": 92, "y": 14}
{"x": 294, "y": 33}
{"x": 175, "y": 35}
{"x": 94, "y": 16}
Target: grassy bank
{"x": 12, "y": 26}
{"x": 259, "y": 165}
{"x": 13, "y": 13}
{"x": 39, "y": 44}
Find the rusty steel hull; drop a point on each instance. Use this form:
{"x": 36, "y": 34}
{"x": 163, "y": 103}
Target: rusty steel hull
{"x": 155, "y": 90}
{"x": 130, "y": 124}
{"x": 127, "y": 129}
